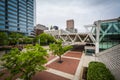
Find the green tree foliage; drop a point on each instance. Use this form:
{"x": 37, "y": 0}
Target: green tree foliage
{"x": 58, "y": 49}
{"x": 3, "y": 38}
{"x": 27, "y": 40}
{"x": 45, "y": 39}
{"x": 26, "y": 63}
{"x": 15, "y": 37}
{"x": 98, "y": 71}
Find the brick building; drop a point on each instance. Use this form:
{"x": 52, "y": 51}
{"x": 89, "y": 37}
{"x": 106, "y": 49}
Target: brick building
{"x": 70, "y": 26}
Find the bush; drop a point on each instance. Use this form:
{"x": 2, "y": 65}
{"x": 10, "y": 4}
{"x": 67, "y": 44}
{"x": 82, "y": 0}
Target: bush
{"x": 98, "y": 71}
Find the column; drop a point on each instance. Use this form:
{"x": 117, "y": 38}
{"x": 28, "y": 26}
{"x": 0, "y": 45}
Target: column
{"x": 97, "y": 36}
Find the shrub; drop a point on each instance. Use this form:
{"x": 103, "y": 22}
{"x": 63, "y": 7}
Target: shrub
{"x": 98, "y": 71}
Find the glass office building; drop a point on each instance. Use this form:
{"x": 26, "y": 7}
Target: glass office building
{"x": 17, "y": 16}
{"x": 106, "y": 34}
{"x": 109, "y": 34}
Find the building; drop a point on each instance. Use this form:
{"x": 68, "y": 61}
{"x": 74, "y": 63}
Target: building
{"x": 39, "y": 28}
{"x": 70, "y": 26}
{"x": 54, "y": 28}
{"x": 17, "y": 16}
{"x": 106, "y": 33}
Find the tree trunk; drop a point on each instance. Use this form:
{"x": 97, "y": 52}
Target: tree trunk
{"x": 60, "y": 59}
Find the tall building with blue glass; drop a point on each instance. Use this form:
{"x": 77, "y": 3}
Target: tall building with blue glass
{"x": 17, "y": 16}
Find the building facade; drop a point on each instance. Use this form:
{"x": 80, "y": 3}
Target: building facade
{"x": 107, "y": 33}
{"x": 54, "y": 28}
{"x": 39, "y": 28}
{"x": 70, "y": 26}
{"x": 17, "y": 16}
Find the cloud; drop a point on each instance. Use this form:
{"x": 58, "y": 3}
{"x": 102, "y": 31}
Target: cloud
{"x": 55, "y": 12}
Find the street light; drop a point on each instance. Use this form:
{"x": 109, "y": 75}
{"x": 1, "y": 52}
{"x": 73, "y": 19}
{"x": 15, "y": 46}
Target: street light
{"x": 39, "y": 41}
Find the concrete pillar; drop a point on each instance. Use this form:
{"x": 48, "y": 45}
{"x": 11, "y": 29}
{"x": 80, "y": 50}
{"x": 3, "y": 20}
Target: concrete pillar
{"x": 59, "y": 32}
{"x": 98, "y": 23}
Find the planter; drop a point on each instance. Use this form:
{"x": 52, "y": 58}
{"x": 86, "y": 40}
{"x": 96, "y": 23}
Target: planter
{"x": 19, "y": 79}
{"x": 84, "y": 74}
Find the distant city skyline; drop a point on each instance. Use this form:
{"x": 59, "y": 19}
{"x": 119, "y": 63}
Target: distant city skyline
{"x": 84, "y": 12}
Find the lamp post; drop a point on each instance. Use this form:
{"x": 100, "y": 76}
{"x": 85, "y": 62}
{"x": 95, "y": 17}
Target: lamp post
{"x": 39, "y": 41}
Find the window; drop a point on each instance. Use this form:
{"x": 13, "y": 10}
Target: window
{"x": 12, "y": 24}
{"x": 12, "y": 20}
{"x": 110, "y": 38}
{"x": 22, "y": 30}
{"x": 30, "y": 6}
{"x": 22, "y": 26}
{"x": 12, "y": 28}
{"x": 2, "y": 8}
{"x": 11, "y": 7}
{"x": 30, "y": 21}
{"x": 22, "y": 2}
{"x": 12, "y": 16}
{"x": 22, "y": 12}
{"x": 29, "y": 18}
{"x": 29, "y": 12}
{"x": 14, "y": 1}
{"x": 13, "y": 12}
{"x": 13, "y": 4}
{"x": 2, "y": 3}
{"x": 22, "y": 19}
{"x": 2, "y": 22}
{"x": 22, "y": 7}
{"x": 22, "y": 16}
{"x": 30, "y": 2}
{"x": 2, "y": 13}
{"x": 2, "y": 26}
{"x": 2, "y": 17}
{"x": 21, "y": 22}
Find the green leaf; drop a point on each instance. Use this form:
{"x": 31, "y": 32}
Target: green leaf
{"x": 25, "y": 62}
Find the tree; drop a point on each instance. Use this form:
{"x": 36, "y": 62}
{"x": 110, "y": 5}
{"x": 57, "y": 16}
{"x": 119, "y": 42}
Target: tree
{"x": 58, "y": 49}
{"x": 51, "y": 27}
{"x": 14, "y": 37}
{"x": 3, "y": 38}
{"x": 45, "y": 39}
{"x": 26, "y": 63}
{"x": 27, "y": 40}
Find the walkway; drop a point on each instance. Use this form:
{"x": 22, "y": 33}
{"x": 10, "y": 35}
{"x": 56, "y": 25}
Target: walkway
{"x": 68, "y": 70}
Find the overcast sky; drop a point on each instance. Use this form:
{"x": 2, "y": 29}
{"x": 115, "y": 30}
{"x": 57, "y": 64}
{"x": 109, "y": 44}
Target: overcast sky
{"x": 84, "y": 12}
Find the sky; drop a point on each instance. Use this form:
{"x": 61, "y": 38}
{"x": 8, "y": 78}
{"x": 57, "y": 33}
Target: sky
{"x": 83, "y": 12}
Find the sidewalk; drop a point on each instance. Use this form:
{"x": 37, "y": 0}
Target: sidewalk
{"x": 68, "y": 70}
